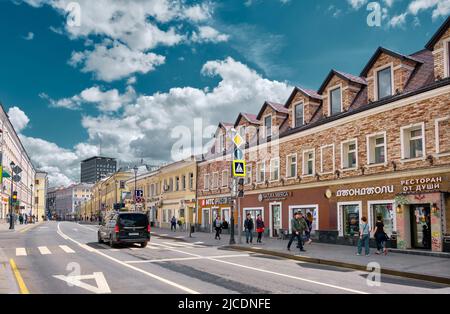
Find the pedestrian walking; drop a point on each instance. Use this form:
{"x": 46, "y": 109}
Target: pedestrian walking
{"x": 218, "y": 227}
{"x": 21, "y": 219}
{"x": 364, "y": 237}
{"x": 259, "y": 228}
{"x": 173, "y": 224}
{"x": 380, "y": 236}
{"x": 249, "y": 225}
{"x": 298, "y": 225}
{"x": 309, "y": 222}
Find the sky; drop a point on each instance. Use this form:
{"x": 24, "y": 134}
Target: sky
{"x": 141, "y": 79}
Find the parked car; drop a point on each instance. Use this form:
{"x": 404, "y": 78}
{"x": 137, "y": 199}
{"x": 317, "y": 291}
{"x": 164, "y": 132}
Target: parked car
{"x": 125, "y": 228}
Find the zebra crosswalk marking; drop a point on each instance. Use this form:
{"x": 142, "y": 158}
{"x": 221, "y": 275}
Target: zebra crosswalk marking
{"x": 20, "y": 251}
{"x": 67, "y": 249}
{"x": 44, "y": 250}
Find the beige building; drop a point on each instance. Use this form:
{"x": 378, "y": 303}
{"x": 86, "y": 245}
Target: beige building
{"x": 40, "y": 194}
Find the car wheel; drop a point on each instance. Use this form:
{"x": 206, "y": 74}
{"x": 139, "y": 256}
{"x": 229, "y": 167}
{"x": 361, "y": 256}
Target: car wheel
{"x": 100, "y": 240}
{"x": 143, "y": 244}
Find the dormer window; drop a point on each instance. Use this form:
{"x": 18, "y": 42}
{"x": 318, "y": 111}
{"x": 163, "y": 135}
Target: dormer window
{"x": 384, "y": 83}
{"x": 268, "y": 126}
{"x": 336, "y": 101}
{"x": 447, "y": 58}
{"x": 221, "y": 143}
{"x": 299, "y": 115}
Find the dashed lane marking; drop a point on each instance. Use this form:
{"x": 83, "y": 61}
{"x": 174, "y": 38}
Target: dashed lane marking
{"x": 67, "y": 249}
{"x": 44, "y": 250}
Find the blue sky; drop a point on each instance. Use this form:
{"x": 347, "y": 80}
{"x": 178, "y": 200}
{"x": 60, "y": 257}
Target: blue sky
{"x": 135, "y": 70}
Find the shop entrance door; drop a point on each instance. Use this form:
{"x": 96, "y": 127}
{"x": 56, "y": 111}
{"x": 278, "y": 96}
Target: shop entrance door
{"x": 420, "y": 226}
{"x": 275, "y": 210}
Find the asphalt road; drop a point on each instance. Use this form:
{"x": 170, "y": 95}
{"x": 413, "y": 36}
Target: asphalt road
{"x": 64, "y": 257}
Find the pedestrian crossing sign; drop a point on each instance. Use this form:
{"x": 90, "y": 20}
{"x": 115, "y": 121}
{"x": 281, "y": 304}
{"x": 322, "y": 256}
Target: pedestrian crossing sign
{"x": 239, "y": 168}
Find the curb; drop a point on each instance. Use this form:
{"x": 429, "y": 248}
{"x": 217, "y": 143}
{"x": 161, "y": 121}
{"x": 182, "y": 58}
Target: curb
{"x": 435, "y": 279}
{"x": 169, "y": 237}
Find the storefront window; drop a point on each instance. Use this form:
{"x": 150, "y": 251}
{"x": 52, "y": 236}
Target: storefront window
{"x": 385, "y": 211}
{"x": 314, "y": 211}
{"x": 253, "y": 212}
{"x": 351, "y": 219}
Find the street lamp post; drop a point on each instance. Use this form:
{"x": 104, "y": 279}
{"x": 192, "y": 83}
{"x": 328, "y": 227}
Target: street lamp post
{"x": 31, "y": 188}
{"x": 135, "y": 185}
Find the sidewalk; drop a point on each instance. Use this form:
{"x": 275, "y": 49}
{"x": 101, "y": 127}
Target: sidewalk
{"x": 429, "y": 268}
{"x": 4, "y": 227}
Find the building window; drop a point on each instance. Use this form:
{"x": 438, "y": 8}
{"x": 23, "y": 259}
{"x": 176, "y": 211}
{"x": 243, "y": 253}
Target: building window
{"x": 242, "y": 131}
{"x": 261, "y": 172}
{"x": 308, "y": 163}
{"x": 413, "y": 142}
{"x": 248, "y": 178}
{"x": 442, "y": 133}
{"x": 177, "y": 183}
{"x": 291, "y": 166}
{"x": 171, "y": 185}
{"x": 225, "y": 177}
{"x": 349, "y": 218}
{"x": 268, "y": 126}
{"x": 447, "y": 59}
{"x": 376, "y": 148}
{"x": 221, "y": 142}
{"x": 275, "y": 169}
{"x": 385, "y": 211}
{"x": 215, "y": 183}
{"x": 336, "y": 101}
{"x": 191, "y": 181}
{"x": 384, "y": 83}
{"x": 183, "y": 182}
{"x": 207, "y": 181}
{"x": 349, "y": 154}
{"x": 299, "y": 115}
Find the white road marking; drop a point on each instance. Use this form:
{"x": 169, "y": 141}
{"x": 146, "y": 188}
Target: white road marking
{"x": 20, "y": 251}
{"x": 101, "y": 284}
{"x": 67, "y": 249}
{"x": 272, "y": 272}
{"x": 181, "y": 237}
{"x": 184, "y": 259}
{"x": 134, "y": 248}
{"x": 199, "y": 242}
{"x": 75, "y": 229}
{"x": 40, "y": 228}
{"x": 44, "y": 250}
{"x": 171, "y": 283}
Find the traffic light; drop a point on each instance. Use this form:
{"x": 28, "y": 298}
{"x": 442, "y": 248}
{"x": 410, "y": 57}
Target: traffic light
{"x": 14, "y": 196}
{"x": 241, "y": 183}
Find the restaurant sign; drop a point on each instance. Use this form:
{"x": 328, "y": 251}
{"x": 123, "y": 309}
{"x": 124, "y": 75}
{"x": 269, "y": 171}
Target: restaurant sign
{"x": 421, "y": 184}
{"x": 275, "y": 196}
{"x": 216, "y": 201}
{"x": 366, "y": 191}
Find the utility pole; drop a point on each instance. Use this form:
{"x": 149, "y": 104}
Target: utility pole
{"x": 11, "y": 218}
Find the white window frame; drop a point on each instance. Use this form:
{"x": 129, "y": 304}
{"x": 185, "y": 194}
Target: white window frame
{"x": 291, "y": 207}
{"x": 207, "y": 182}
{"x": 214, "y": 185}
{"x": 368, "y": 138}
{"x": 294, "y": 116}
{"x": 203, "y": 216}
{"x": 340, "y": 215}
{"x": 270, "y": 168}
{"x": 265, "y": 126}
{"x": 356, "y": 153}
{"x": 402, "y": 141}
{"x": 270, "y": 216}
{"x": 305, "y": 163}
{"x": 334, "y": 158}
{"x": 225, "y": 178}
{"x": 249, "y": 174}
{"x": 375, "y": 79}
{"x": 436, "y": 132}
{"x": 258, "y": 171}
{"x": 288, "y": 166}
{"x": 329, "y": 90}
{"x": 381, "y": 202}
{"x": 446, "y": 57}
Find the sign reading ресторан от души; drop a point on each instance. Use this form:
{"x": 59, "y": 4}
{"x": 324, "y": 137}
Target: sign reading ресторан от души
{"x": 421, "y": 184}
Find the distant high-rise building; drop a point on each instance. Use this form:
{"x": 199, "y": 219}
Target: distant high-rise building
{"x": 95, "y": 168}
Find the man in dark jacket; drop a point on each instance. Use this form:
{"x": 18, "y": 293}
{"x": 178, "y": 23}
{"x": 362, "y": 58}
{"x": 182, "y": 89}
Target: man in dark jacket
{"x": 249, "y": 225}
{"x": 298, "y": 226}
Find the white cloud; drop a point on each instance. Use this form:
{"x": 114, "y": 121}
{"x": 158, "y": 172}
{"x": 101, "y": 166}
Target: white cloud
{"x": 110, "y": 63}
{"x": 209, "y": 34}
{"x": 18, "y": 118}
{"x": 357, "y": 4}
{"x": 105, "y": 101}
{"x": 398, "y": 20}
{"x": 143, "y": 128}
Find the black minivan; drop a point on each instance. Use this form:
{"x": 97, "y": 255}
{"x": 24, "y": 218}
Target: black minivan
{"x": 125, "y": 228}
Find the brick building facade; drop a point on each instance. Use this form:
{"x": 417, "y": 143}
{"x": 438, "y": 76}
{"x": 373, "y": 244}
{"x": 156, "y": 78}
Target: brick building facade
{"x": 377, "y": 144}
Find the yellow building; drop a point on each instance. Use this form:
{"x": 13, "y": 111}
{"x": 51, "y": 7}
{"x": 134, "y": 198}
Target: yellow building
{"x": 167, "y": 192}
{"x": 40, "y": 194}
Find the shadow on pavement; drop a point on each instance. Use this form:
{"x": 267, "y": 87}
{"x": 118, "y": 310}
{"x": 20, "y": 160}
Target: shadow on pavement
{"x": 408, "y": 282}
